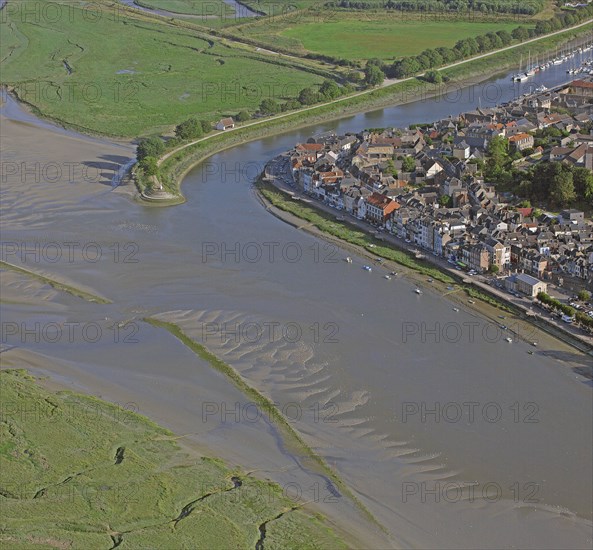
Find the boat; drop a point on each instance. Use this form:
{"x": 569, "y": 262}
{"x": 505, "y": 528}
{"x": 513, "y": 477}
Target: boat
{"x": 388, "y": 277}
{"x": 534, "y": 344}
{"x": 393, "y": 273}
{"x": 417, "y": 291}
{"x": 455, "y": 309}
{"x": 348, "y": 259}
{"x": 471, "y": 302}
{"x": 367, "y": 268}
{"x": 509, "y": 339}
{"x": 340, "y": 218}
{"x": 530, "y": 352}
{"x": 430, "y": 280}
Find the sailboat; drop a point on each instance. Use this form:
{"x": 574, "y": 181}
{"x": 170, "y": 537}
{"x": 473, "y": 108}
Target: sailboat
{"x": 520, "y": 76}
{"x": 530, "y": 69}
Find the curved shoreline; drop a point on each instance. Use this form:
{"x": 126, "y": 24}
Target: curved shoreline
{"x": 378, "y": 98}
{"x": 519, "y": 311}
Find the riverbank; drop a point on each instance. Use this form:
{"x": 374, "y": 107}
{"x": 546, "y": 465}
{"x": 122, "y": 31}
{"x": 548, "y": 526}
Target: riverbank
{"x": 175, "y": 164}
{"x": 463, "y": 291}
{"x": 113, "y": 476}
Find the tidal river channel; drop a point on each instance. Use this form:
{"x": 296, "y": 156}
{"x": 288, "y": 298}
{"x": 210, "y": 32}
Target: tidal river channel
{"x": 450, "y": 442}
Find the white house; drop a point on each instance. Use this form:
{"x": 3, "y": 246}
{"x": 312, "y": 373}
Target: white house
{"x": 225, "y": 124}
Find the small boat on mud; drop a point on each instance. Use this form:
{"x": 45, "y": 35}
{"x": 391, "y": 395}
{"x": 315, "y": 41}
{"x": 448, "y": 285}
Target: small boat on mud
{"x": 348, "y": 260}
{"x": 417, "y": 291}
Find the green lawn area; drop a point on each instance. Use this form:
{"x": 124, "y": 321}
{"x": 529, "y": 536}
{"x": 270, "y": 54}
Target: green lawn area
{"x": 77, "y": 472}
{"x": 385, "y": 38}
{"x": 131, "y": 76}
{"x": 190, "y": 7}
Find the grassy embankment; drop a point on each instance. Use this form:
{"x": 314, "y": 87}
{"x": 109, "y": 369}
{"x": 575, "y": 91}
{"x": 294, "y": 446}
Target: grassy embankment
{"x": 77, "y": 472}
{"x": 56, "y": 284}
{"x": 293, "y": 441}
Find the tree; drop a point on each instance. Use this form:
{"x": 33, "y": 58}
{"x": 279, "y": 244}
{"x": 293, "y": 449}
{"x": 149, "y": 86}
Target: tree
{"x": 494, "y": 269}
{"x": 446, "y": 201}
{"x": 269, "y": 107}
{"x": 498, "y": 158}
{"x": 405, "y": 67}
{"x": 329, "y": 90}
{"x": 484, "y": 43}
{"x": 409, "y": 164}
{"x": 505, "y": 37}
{"x": 584, "y": 295}
{"x": 190, "y": 129}
{"x": 495, "y": 41}
{"x": 150, "y": 147}
{"x": 446, "y": 54}
{"x": 373, "y": 75}
{"x": 206, "y": 126}
{"x": 242, "y": 116}
{"x": 390, "y": 169}
{"x": 583, "y": 182}
{"x": 562, "y": 189}
{"x": 291, "y": 104}
{"x": 307, "y": 96}
{"x": 149, "y": 166}
{"x": 520, "y": 34}
{"x": 434, "y": 76}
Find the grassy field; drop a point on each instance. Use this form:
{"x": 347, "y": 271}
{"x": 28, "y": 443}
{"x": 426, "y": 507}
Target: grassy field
{"x": 79, "y": 473}
{"x": 190, "y": 7}
{"x": 385, "y": 37}
{"x": 128, "y": 76}
{"x": 359, "y": 36}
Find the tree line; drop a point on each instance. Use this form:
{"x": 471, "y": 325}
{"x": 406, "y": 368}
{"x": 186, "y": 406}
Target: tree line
{"x": 449, "y": 6}
{"x": 432, "y": 58}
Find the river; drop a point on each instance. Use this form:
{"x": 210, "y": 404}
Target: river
{"x": 400, "y": 394}
{"x": 210, "y": 10}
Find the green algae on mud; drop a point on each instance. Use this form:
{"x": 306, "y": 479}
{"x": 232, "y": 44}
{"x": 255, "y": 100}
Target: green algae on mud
{"x": 78, "y": 472}
{"x": 56, "y": 284}
{"x": 293, "y": 440}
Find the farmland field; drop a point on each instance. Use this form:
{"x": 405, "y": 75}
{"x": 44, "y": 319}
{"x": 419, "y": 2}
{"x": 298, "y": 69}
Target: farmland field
{"x": 359, "y": 36}
{"x": 127, "y": 76}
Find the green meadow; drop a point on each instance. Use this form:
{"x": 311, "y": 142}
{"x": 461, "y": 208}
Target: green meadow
{"x": 77, "y": 472}
{"x": 358, "y": 36}
{"x": 189, "y": 7}
{"x": 128, "y": 76}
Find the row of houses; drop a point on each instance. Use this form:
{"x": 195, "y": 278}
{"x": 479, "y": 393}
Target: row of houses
{"x": 421, "y": 184}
